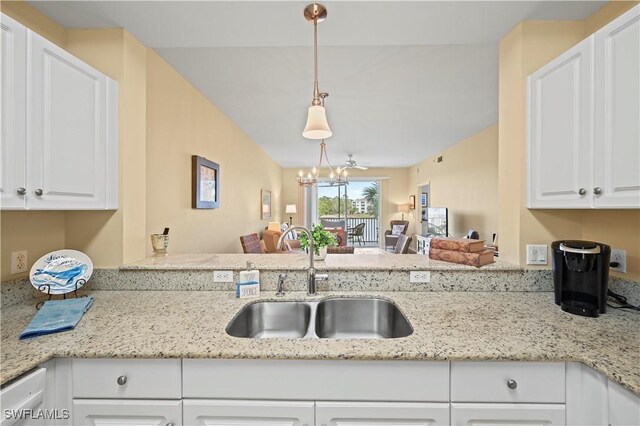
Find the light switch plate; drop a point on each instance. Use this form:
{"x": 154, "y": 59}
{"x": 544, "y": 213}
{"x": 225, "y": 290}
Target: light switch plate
{"x": 536, "y": 254}
{"x": 419, "y": 277}
{"x": 222, "y": 276}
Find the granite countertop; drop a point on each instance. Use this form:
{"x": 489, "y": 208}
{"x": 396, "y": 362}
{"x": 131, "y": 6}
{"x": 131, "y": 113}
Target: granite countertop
{"x": 447, "y": 326}
{"x": 370, "y": 262}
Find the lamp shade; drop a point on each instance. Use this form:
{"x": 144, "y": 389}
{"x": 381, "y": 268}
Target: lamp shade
{"x": 317, "y": 126}
{"x": 291, "y": 208}
{"x": 403, "y": 208}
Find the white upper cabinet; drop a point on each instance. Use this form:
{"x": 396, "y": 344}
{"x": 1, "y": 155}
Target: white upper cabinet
{"x": 60, "y": 134}
{"x": 13, "y": 72}
{"x": 617, "y": 117}
{"x": 583, "y": 147}
{"x": 560, "y": 148}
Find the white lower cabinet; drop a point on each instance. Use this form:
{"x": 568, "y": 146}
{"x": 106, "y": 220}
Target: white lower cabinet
{"x": 381, "y": 413}
{"x": 127, "y": 412}
{"x": 172, "y": 392}
{"x": 24, "y": 396}
{"x": 507, "y": 414}
{"x": 246, "y": 413}
{"x": 623, "y": 406}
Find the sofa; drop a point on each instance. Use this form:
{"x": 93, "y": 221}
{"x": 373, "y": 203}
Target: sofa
{"x": 271, "y": 238}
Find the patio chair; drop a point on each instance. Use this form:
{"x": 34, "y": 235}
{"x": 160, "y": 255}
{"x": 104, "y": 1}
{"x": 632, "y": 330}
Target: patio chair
{"x": 357, "y": 233}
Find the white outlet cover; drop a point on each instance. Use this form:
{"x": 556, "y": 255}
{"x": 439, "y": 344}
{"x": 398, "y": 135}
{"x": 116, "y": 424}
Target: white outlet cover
{"x": 222, "y": 276}
{"x": 420, "y": 277}
{"x": 619, "y": 256}
{"x": 537, "y": 254}
{"x": 19, "y": 262}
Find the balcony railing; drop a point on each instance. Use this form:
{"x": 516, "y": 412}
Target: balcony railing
{"x": 371, "y": 230}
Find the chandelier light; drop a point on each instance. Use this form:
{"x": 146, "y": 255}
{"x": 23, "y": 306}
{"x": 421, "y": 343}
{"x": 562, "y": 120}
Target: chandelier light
{"x": 317, "y": 126}
{"x": 337, "y": 177}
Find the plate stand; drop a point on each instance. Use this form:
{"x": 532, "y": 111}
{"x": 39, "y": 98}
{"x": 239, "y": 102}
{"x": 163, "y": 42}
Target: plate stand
{"x": 46, "y": 289}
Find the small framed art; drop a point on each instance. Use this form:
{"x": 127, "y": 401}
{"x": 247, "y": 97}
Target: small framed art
{"x": 205, "y": 187}
{"x": 265, "y": 204}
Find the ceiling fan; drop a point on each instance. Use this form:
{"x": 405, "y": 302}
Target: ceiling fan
{"x": 353, "y": 164}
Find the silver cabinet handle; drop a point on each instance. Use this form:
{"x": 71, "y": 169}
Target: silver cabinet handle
{"x": 512, "y": 384}
{"x": 21, "y": 191}
{"x": 122, "y": 380}
{"x": 39, "y": 192}
{"x": 597, "y": 190}
{"x": 582, "y": 191}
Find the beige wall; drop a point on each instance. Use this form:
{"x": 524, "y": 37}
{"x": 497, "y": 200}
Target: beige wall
{"x": 393, "y": 191}
{"x": 31, "y": 17}
{"x": 111, "y": 238}
{"x": 466, "y": 182}
{"x": 36, "y": 232}
{"x": 529, "y": 46}
{"x": 181, "y": 122}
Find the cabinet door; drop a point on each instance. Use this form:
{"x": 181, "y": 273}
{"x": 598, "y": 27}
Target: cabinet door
{"x": 508, "y": 414}
{"x": 560, "y": 131}
{"x": 67, "y": 130}
{"x": 237, "y": 412}
{"x": 126, "y": 412}
{"x": 27, "y": 393}
{"x": 624, "y": 406}
{"x": 617, "y": 91}
{"x": 13, "y": 70}
{"x": 381, "y": 413}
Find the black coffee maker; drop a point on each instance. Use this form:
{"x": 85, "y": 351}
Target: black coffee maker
{"x": 581, "y": 276}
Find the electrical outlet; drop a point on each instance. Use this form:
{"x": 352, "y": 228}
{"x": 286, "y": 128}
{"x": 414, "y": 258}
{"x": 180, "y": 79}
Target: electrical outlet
{"x": 19, "y": 261}
{"x": 536, "y": 254}
{"x": 419, "y": 277}
{"x": 619, "y": 256}
{"x": 222, "y": 276}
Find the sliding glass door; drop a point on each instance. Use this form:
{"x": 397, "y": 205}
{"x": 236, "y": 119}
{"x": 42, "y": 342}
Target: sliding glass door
{"x": 355, "y": 208}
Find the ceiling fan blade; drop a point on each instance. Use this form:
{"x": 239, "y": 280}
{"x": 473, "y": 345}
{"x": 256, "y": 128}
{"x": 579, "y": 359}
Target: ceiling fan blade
{"x": 361, "y": 167}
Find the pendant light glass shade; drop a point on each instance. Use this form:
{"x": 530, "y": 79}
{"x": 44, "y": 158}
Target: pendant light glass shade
{"x": 317, "y": 126}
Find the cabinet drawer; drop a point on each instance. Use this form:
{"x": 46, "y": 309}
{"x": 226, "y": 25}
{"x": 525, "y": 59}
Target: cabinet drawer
{"x": 489, "y": 382}
{"x": 127, "y": 378}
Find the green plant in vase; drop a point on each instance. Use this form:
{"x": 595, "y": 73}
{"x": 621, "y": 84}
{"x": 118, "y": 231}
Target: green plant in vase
{"x": 321, "y": 238}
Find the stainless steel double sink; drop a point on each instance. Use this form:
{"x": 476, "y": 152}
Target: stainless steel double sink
{"x": 332, "y": 318}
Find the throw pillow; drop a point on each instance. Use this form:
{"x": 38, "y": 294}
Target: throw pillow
{"x": 397, "y": 229}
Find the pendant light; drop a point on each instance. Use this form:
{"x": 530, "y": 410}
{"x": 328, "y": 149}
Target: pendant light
{"x": 337, "y": 177}
{"x": 317, "y": 126}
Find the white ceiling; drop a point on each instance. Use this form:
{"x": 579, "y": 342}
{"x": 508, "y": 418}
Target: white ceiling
{"x": 406, "y": 79}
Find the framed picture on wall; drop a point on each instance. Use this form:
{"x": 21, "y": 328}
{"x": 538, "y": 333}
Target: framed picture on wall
{"x": 205, "y": 183}
{"x": 424, "y": 200}
{"x": 412, "y": 202}
{"x": 265, "y": 204}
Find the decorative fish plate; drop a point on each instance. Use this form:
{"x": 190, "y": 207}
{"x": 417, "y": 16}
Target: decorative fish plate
{"x": 61, "y": 271}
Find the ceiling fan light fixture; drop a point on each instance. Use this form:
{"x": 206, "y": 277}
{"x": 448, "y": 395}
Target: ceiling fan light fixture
{"x": 317, "y": 126}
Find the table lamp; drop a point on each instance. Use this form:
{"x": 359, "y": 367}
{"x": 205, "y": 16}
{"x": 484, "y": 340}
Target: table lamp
{"x": 291, "y": 209}
{"x": 403, "y": 208}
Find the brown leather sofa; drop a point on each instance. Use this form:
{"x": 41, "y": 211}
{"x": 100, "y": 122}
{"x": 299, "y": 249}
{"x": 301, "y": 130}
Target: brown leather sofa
{"x": 271, "y": 238}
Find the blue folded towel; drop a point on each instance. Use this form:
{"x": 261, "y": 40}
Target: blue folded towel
{"x": 56, "y": 316}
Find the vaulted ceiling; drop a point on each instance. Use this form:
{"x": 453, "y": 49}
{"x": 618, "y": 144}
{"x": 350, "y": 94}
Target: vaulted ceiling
{"x": 406, "y": 79}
